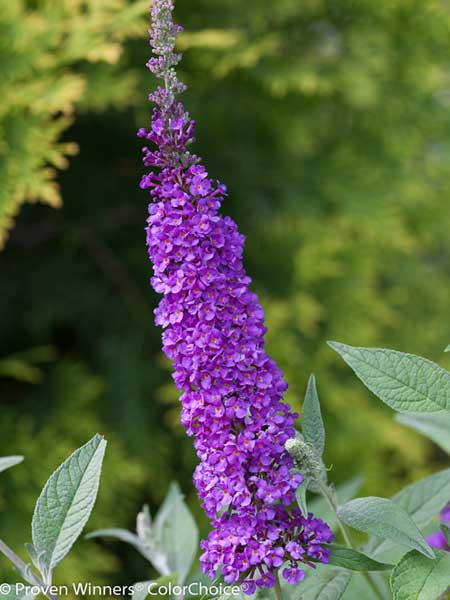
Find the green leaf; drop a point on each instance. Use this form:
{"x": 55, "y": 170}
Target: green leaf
{"x": 447, "y": 349}
{"x": 407, "y": 383}
{"x": 300, "y": 495}
{"x": 347, "y": 558}
{"x": 65, "y": 504}
{"x": 312, "y": 423}
{"x": 142, "y": 588}
{"x": 386, "y": 519}
{"x": 434, "y": 426}
{"x": 176, "y": 533}
{"x": 422, "y": 501}
{"x": 9, "y": 461}
{"x": 13, "y": 595}
{"x": 324, "y": 583}
{"x": 419, "y": 578}
{"x": 345, "y": 492}
{"x": 446, "y": 531}
{"x": 358, "y": 588}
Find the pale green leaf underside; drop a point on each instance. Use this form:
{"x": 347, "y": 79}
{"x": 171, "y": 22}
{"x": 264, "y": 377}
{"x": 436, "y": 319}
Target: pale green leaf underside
{"x": 9, "y": 461}
{"x": 141, "y": 590}
{"x": 66, "y": 502}
{"x": 176, "y": 533}
{"x": 385, "y": 519}
{"x": 419, "y": 578}
{"x": 19, "y": 596}
{"x": 324, "y": 583}
{"x": 422, "y": 501}
{"x": 407, "y": 383}
{"x": 312, "y": 423}
{"x": 435, "y": 426}
{"x": 358, "y": 588}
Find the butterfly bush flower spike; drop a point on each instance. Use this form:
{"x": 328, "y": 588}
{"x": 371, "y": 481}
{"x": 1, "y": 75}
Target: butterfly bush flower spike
{"x": 232, "y": 391}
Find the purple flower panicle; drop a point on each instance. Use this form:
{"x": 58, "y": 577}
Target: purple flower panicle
{"x": 214, "y": 331}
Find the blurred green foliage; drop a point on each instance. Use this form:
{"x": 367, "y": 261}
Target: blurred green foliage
{"x": 329, "y": 121}
{"x": 55, "y": 55}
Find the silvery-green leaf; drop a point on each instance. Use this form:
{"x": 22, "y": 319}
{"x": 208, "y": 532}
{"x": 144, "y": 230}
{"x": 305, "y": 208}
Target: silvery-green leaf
{"x": 419, "y": 578}
{"x": 345, "y": 492}
{"x": 33, "y": 555}
{"x": 358, "y": 588}
{"x": 300, "y": 495}
{"x": 422, "y": 501}
{"x": 141, "y": 589}
{"x": 446, "y": 531}
{"x": 435, "y": 426}
{"x": 65, "y": 504}
{"x": 13, "y": 595}
{"x": 385, "y": 519}
{"x": 312, "y": 422}
{"x": 176, "y": 533}
{"x": 324, "y": 583}
{"x": 407, "y": 383}
{"x": 347, "y": 558}
{"x": 447, "y": 349}
{"x": 9, "y": 461}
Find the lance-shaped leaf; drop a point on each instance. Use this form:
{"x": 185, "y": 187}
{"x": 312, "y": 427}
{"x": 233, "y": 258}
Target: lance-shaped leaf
{"x": 407, "y": 383}
{"x": 446, "y": 531}
{"x": 300, "y": 496}
{"x": 447, "y": 349}
{"x": 9, "y": 461}
{"x": 435, "y": 426}
{"x": 19, "y": 595}
{"x": 312, "y": 423}
{"x": 176, "y": 533}
{"x": 65, "y": 504}
{"x": 419, "y": 578}
{"x": 422, "y": 501}
{"x": 385, "y": 519}
{"x": 145, "y": 589}
{"x": 324, "y": 583}
{"x": 347, "y": 558}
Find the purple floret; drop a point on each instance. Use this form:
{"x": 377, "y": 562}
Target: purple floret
{"x": 232, "y": 391}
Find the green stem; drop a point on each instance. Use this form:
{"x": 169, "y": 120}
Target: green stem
{"x": 26, "y": 573}
{"x": 277, "y": 588}
{"x": 330, "y": 499}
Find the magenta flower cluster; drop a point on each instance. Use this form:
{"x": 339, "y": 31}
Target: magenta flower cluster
{"x": 214, "y": 331}
{"x": 437, "y": 539}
